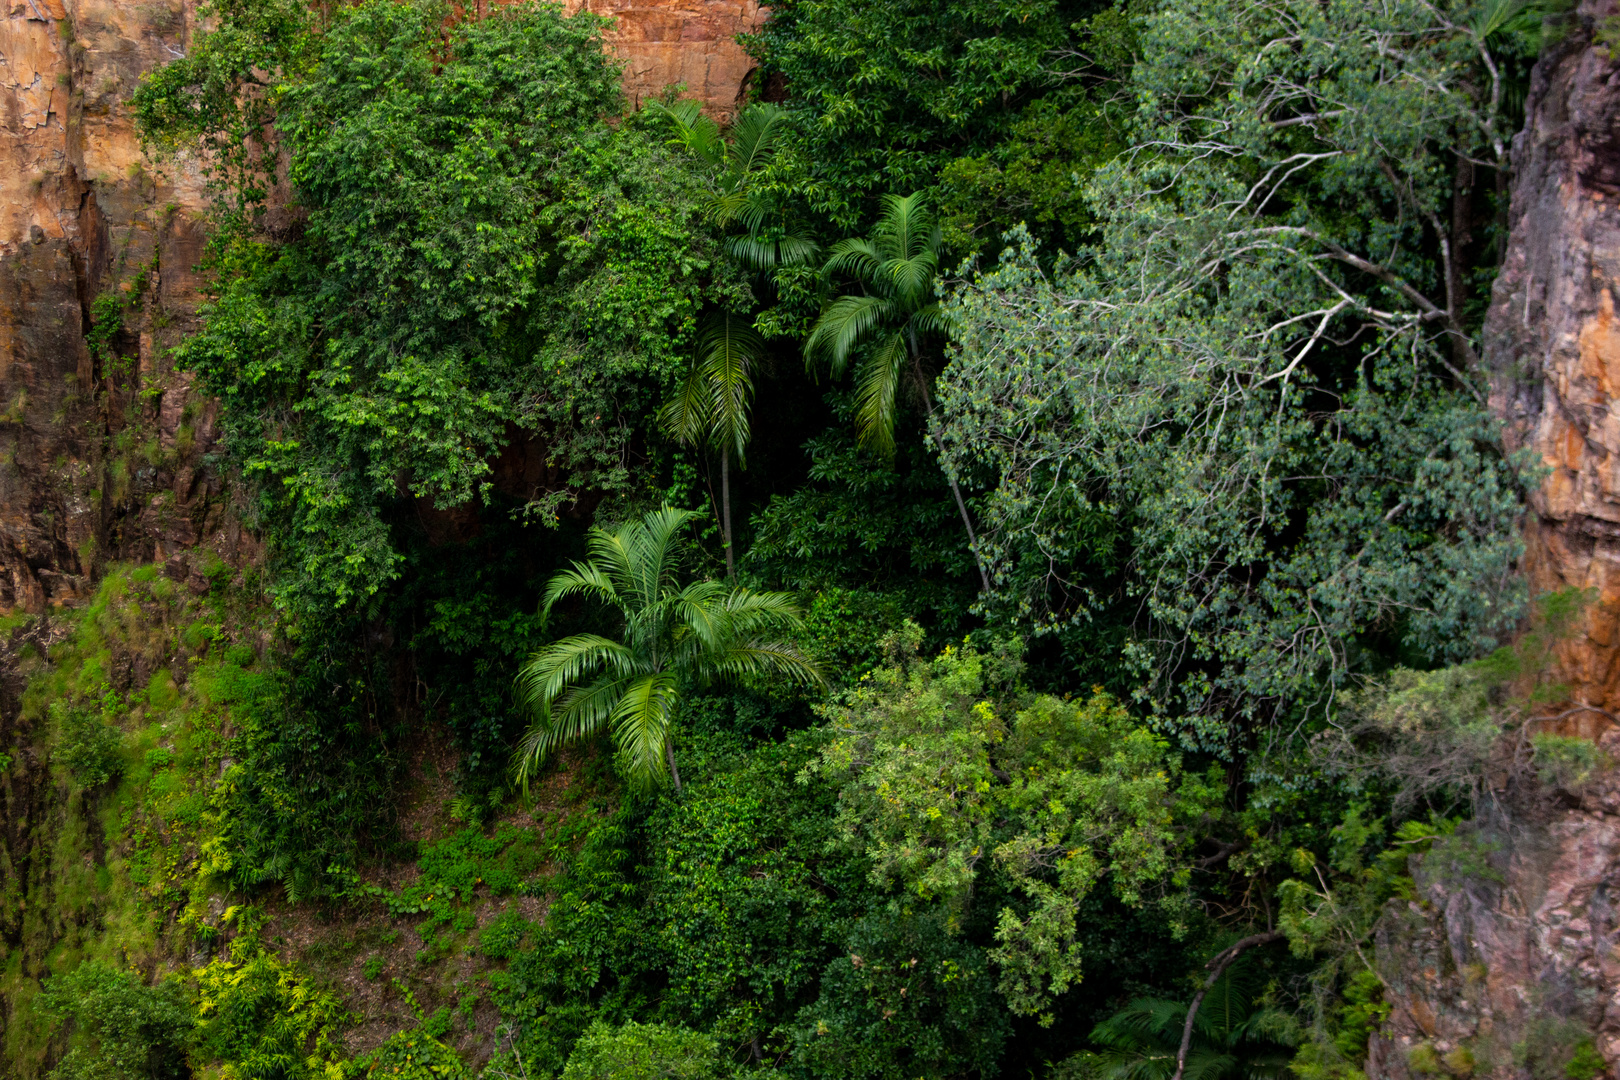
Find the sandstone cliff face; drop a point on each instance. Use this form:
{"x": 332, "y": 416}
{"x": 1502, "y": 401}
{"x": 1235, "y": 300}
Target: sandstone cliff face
{"x": 1553, "y": 342}
{"x": 99, "y": 447}
{"x": 102, "y": 444}
{"x": 1508, "y": 962}
{"x": 665, "y": 42}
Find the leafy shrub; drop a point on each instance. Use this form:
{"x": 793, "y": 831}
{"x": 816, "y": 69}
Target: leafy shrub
{"x": 411, "y": 1055}
{"x": 1565, "y": 762}
{"x": 642, "y": 1052}
{"x": 264, "y": 1018}
{"x": 950, "y": 776}
{"x": 129, "y": 1031}
{"x": 1364, "y": 1010}
{"x": 1554, "y": 1047}
{"x": 87, "y": 744}
{"x": 1585, "y": 1063}
{"x": 501, "y": 938}
{"x": 908, "y": 999}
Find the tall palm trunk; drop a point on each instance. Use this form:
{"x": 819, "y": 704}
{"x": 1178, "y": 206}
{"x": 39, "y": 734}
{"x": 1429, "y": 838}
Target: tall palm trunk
{"x": 725, "y": 509}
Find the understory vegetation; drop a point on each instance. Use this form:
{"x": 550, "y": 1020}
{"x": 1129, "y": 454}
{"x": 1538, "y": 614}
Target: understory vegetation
{"x": 895, "y": 581}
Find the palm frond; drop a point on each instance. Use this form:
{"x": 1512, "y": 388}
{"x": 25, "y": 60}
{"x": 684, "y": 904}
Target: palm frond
{"x": 688, "y": 415}
{"x": 929, "y": 319}
{"x": 728, "y": 348}
{"x": 711, "y": 405}
{"x": 655, "y": 549}
{"x": 700, "y": 610}
{"x": 752, "y": 659}
{"x": 692, "y": 130}
{"x": 755, "y": 137}
{"x": 1142, "y": 1022}
{"x": 611, "y": 554}
{"x": 795, "y": 250}
{"x": 553, "y": 667}
{"x": 672, "y": 637}
{"x": 912, "y": 279}
{"x": 582, "y": 579}
{"x": 750, "y": 614}
{"x": 905, "y": 228}
{"x": 842, "y": 326}
{"x": 1149, "y": 1065}
{"x": 730, "y": 204}
{"x": 758, "y": 253}
{"x": 859, "y": 258}
{"x": 1204, "y": 1064}
{"x": 579, "y": 714}
{"x": 875, "y": 397}
{"x": 1495, "y": 16}
{"x": 641, "y": 720}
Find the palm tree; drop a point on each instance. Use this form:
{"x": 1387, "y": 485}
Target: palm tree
{"x": 711, "y": 407}
{"x": 737, "y": 163}
{"x": 1235, "y": 1037}
{"x": 887, "y": 323}
{"x": 675, "y": 640}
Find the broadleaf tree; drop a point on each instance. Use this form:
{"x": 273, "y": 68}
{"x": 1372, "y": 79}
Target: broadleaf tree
{"x": 1265, "y": 369}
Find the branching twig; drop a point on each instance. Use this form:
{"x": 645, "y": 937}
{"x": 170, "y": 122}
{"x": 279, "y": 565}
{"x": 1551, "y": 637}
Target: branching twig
{"x": 1217, "y": 967}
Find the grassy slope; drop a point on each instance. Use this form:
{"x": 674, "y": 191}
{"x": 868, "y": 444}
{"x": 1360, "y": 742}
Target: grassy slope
{"x": 134, "y": 871}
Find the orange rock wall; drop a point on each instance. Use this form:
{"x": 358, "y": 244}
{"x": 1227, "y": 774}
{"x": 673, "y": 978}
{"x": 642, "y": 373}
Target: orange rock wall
{"x": 1552, "y": 340}
{"x": 666, "y": 42}
{"x": 101, "y": 457}
{"x": 1520, "y": 947}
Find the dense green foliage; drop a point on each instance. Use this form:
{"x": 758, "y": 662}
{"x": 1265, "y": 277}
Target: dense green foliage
{"x": 1138, "y": 580}
{"x": 1262, "y": 373}
{"x": 483, "y": 258}
{"x": 128, "y": 1030}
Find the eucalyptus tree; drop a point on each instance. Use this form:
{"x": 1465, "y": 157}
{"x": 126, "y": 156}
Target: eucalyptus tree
{"x": 674, "y": 639}
{"x": 1265, "y": 372}
{"x": 887, "y": 325}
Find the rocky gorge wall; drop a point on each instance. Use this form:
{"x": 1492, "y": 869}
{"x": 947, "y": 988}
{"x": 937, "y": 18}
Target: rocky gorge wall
{"x": 103, "y": 446}
{"x": 1507, "y": 961}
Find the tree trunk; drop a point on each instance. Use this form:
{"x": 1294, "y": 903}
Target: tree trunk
{"x": 725, "y": 510}
{"x": 669, "y": 758}
{"x": 956, "y": 492}
{"x": 1216, "y": 967}
{"x": 967, "y": 523}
